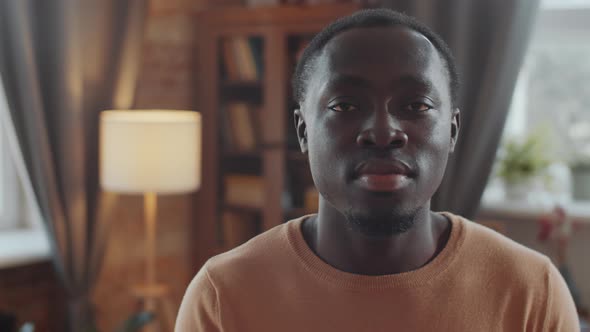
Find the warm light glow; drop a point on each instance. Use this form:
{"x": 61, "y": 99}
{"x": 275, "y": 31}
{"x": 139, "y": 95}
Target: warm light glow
{"x": 150, "y": 151}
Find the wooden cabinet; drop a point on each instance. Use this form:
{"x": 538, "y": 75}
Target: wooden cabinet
{"x": 226, "y": 78}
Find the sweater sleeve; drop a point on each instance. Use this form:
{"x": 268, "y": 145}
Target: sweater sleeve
{"x": 561, "y": 313}
{"x": 199, "y": 310}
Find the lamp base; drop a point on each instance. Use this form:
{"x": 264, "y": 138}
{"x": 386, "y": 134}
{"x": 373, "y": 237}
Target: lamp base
{"x": 156, "y": 299}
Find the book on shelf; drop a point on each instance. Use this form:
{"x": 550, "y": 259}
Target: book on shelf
{"x": 244, "y": 191}
{"x": 230, "y": 65}
{"x": 237, "y": 228}
{"x": 256, "y": 46}
{"x": 245, "y": 59}
{"x": 242, "y": 58}
{"x": 241, "y": 127}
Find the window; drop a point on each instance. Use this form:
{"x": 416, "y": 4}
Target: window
{"x": 11, "y": 193}
{"x": 22, "y": 237}
{"x": 553, "y": 90}
{"x": 554, "y": 84}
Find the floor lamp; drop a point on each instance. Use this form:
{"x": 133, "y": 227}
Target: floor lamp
{"x": 150, "y": 152}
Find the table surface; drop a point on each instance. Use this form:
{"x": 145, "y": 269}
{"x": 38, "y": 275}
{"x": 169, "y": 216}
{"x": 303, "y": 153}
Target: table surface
{"x": 579, "y": 211}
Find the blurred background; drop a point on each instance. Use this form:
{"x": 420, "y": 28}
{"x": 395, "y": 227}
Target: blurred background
{"x": 83, "y": 249}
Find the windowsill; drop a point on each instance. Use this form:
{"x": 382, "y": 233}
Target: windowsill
{"x": 579, "y": 211}
{"x": 22, "y": 247}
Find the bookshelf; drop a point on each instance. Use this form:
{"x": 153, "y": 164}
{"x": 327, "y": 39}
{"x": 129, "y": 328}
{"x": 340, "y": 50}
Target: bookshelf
{"x": 245, "y": 61}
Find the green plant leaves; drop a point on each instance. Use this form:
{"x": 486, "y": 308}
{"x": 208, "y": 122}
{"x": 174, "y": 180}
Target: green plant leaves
{"x": 523, "y": 160}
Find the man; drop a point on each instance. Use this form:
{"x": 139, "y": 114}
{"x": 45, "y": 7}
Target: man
{"x": 378, "y": 119}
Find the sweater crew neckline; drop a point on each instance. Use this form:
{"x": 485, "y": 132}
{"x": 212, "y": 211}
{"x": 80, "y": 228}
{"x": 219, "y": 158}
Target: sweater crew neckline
{"x": 415, "y": 278}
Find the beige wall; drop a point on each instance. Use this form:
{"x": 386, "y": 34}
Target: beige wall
{"x": 32, "y": 293}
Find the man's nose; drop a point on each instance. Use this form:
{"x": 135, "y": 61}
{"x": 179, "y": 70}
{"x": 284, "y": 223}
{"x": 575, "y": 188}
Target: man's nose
{"x": 382, "y": 130}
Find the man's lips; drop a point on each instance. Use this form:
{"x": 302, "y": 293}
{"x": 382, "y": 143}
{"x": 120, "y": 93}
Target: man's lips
{"x": 384, "y": 167}
{"x": 383, "y": 175}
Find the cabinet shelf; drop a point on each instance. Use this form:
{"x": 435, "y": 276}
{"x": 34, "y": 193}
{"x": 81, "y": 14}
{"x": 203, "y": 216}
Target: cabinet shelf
{"x": 241, "y": 86}
{"x": 234, "y": 155}
{"x": 281, "y": 169}
{"x": 251, "y": 92}
{"x": 237, "y": 84}
{"x": 242, "y": 209}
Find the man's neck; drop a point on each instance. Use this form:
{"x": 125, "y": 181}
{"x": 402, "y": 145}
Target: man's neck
{"x": 346, "y": 249}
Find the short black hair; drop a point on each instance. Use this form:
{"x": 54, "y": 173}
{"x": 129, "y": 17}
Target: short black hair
{"x": 369, "y": 18}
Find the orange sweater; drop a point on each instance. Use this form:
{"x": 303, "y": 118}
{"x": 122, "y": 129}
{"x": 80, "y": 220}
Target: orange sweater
{"x": 480, "y": 281}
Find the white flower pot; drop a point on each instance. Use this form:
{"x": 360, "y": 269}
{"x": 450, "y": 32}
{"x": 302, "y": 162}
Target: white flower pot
{"x": 581, "y": 183}
{"x": 522, "y": 190}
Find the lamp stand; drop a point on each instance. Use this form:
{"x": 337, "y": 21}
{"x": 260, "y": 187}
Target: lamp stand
{"x": 152, "y": 292}
{"x": 150, "y": 206}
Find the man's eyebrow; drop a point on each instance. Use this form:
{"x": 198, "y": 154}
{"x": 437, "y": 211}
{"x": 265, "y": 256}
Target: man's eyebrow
{"x": 415, "y": 81}
{"x": 406, "y": 80}
{"x": 346, "y": 79}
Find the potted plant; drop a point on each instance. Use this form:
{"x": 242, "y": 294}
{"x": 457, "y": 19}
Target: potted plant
{"x": 581, "y": 178}
{"x": 522, "y": 165}
{"x": 579, "y": 146}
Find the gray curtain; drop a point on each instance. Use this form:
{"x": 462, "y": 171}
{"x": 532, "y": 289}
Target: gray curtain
{"x": 61, "y": 63}
{"x": 489, "y": 40}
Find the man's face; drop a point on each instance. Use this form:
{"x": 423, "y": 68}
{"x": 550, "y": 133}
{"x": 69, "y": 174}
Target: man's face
{"x": 377, "y": 125}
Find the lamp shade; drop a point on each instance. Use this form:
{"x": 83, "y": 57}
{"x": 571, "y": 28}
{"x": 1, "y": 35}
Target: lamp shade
{"x": 155, "y": 151}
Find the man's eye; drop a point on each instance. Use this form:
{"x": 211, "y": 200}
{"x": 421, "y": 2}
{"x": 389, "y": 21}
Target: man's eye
{"x": 343, "y": 107}
{"x": 418, "y": 107}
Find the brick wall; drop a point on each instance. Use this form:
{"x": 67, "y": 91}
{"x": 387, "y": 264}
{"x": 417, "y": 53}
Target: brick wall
{"x": 124, "y": 260}
{"x": 166, "y": 80}
{"x": 32, "y": 293}
{"x": 168, "y": 60}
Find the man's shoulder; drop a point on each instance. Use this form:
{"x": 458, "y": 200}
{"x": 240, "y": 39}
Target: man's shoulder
{"x": 483, "y": 245}
{"x": 233, "y": 276}
{"x": 271, "y": 248}
{"x": 527, "y": 279}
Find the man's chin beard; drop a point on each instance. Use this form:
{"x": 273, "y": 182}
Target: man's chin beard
{"x": 380, "y": 224}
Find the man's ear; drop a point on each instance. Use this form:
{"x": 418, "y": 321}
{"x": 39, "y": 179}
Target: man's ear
{"x": 455, "y": 128}
{"x": 301, "y": 130}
